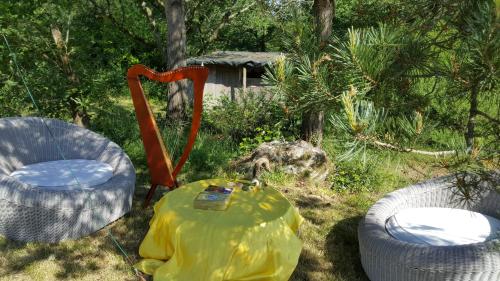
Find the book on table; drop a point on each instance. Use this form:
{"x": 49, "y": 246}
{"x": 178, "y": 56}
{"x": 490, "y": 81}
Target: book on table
{"x": 214, "y": 197}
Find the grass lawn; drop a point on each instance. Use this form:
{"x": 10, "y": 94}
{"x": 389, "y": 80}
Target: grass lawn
{"x": 330, "y": 249}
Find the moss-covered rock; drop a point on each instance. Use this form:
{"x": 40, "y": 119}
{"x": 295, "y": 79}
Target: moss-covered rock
{"x": 296, "y": 158}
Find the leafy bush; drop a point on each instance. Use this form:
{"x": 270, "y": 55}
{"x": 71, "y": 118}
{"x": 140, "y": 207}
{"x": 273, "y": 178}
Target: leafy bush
{"x": 11, "y": 97}
{"x": 353, "y": 176}
{"x": 262, "y": 134}
{"x": 210, "y": 157}
{"x": 240, "y": 119}
{"x": 115, "y": 121}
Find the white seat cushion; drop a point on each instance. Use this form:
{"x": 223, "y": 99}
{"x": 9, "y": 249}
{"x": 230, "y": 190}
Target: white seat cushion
{"x": 65, "y": 174}
{"x": 442, "y": 226}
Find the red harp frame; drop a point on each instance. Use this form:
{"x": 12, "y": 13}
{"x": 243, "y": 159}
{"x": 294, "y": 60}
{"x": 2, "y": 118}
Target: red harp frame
{"x": 159, "y": 162}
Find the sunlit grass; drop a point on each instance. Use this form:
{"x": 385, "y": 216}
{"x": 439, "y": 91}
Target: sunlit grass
{"x": 329, "y": 232}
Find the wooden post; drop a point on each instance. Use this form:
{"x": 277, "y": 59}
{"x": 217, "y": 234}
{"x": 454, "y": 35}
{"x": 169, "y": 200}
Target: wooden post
{"x": 244, "y": 79}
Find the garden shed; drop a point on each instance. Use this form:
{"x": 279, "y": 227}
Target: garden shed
{"x": 231, "y": 71}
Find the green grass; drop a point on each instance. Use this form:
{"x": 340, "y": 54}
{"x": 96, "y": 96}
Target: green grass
{"x": 329, "y": 232}
{"x": 330, "y": 249}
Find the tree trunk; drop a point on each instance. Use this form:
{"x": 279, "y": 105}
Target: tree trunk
{"x": 323, "y": 11}
{"x": 471, "y": 124}
{"x": 312, "y": 127}
{"x": 176, "y": 51}
{"x": 313, "y": 122}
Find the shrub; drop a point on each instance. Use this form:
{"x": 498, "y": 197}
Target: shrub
{"x": 240, "y": 119}
{"x": 353, "y": 177}
{"x": 210, "y": 157}
{"x": 262, "y": 134}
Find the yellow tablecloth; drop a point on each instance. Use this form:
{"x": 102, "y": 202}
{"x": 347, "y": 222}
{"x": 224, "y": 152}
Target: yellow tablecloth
{"x": 254, "y": 239}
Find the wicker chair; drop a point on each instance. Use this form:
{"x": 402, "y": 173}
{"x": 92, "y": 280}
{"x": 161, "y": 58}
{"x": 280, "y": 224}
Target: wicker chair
{"x": 385, "y": 258}
{"x": 29, "y": 213}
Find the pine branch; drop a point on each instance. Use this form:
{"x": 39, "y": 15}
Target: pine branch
{"x": 375, "y": 142}
{"x": 411, "y": 150}
{"x": 360, "y": 122}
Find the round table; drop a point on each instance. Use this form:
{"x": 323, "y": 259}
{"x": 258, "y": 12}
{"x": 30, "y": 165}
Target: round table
{"x": 253, "y": 239}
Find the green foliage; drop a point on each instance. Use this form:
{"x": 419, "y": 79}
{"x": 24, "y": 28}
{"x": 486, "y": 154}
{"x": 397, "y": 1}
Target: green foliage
{"x": 377, "y": 61}
{"x": 116, "y": 122}
{"x": 240, "y": 119}
{"x": 305, "y": 82}
{"x": 360, "y": 125}
{"x": 383, "y": 62}
{"x": 474, "y": 59}
{"x": 102, "y": 39}
{"x": 210, "y": 157}
{"x": 264, "y": 134}
{"x": 476, "y": 172}
{"x": 354, "y": 177}
{"x": 234, "y": 25}
{"x": 412, "y": 64}
{"x": 357, "y": 125}
{"x": 63, "y": 80}
{"x": 10, "y": 103}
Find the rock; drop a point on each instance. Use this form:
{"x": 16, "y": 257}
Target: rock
{"x": 296, "y": 158}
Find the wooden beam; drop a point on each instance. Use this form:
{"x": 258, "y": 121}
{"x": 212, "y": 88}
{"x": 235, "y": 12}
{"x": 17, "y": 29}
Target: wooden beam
{"x": 244, "y": 79}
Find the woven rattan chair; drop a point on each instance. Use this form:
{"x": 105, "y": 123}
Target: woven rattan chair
{"x": 30, "y": 213}
{"x": 385, "y": 258}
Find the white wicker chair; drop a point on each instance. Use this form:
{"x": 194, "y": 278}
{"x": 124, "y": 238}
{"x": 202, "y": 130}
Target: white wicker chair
{"x": 28, "y": 213}
{"x": 385, "y": 258}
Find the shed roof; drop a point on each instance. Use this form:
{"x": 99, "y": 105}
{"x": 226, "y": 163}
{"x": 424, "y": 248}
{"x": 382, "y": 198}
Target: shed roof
{"x": 233, "y": 58}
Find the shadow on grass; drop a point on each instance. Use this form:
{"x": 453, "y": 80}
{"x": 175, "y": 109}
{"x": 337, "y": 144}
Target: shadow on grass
{"x": 312, "y": 207}
{"x": 343, "y": 250}
{"x": 84, "y": 257}
{"x": 307, "y": 266}
{"x": 96, "y": 254}
{"x": 71, "y": 259}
